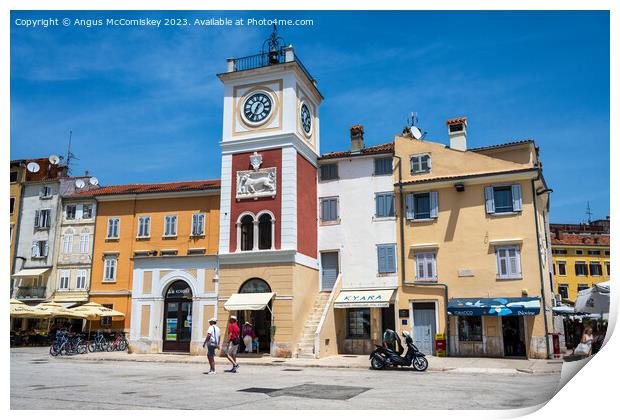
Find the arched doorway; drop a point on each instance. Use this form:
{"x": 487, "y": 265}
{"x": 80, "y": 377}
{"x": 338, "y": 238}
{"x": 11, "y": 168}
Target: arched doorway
{"x": 260, "y": 320}
{"x": 177, "y": 317}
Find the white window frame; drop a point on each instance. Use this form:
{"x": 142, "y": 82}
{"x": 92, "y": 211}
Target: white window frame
{"x": 425, "y": 257}
{"x": 167, "y": 233}
{"x": 67, "y": 212}
{"x": 81, "y": 278}
{"x": 417, "y": 160}
{"x": 42, "y": 249}
{"x": 110, "y": 267}
{"x": 565, "y": 265}
{"x": 331, "y": 221}
{"x": 144, "y": 227}
{"x": 64, "y": 276}
{"x": 585, "y": 264}
{"x": 114, "y": 227}
{"x": 564, "y": 285}
{"x": 195, "y": 217}
{"x": 509, "y": 273}
{"x": 40, "y": 219}
{"x": 67, "y": 243}
{"x": 84, "y": 243}
{"x": 84, "y": 206}
{"x": 45, "y": 192}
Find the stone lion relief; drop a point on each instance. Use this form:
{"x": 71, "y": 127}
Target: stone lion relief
{"x": 258, "y": 182}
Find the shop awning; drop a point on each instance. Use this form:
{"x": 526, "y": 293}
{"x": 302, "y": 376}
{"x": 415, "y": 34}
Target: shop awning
{"x": 31, "y": 272}
{"x": 248, "y": 301}
{"x": 494, "y": 306}
{"x": 364, "y": 299}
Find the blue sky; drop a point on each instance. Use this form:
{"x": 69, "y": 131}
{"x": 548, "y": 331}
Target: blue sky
{"x": 145, "y": 105}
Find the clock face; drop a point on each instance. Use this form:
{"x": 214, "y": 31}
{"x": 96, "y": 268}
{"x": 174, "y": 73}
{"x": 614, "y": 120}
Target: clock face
{"x": 257, "y": 108}
{"x": 306, "y": 118}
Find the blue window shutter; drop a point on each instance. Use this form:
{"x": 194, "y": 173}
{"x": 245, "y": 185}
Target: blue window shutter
{"x": 434, "y": 204}
{"x": 390, "y": 204}
{"x": 379, "y": 205}
{"x": 382, "y": 258}
{"x": 391, "y": 259}
{"x": 489, "y": 199}
{"x": 334, "y": 209}
{"x": 410, "y": 207}
{"x": 516, "y": 198}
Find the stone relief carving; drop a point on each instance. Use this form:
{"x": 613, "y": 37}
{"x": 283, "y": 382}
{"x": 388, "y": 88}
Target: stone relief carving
{"x": 258, "y": 182}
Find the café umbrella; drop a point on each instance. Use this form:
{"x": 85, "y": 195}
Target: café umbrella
{"x": 94, "y": 311}
{"x": 57, "y": 310}
{"x": 594, "y": 300}
{"x": 19, "y": 309}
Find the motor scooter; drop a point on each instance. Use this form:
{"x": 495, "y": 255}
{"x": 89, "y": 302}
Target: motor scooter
{"x": 381, "y": 357}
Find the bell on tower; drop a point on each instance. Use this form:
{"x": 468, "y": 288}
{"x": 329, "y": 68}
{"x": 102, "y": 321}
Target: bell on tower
{"x": 275, "y": 47}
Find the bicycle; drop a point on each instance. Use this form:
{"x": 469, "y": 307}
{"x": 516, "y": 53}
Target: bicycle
{"x": 119, "y": 343}
{"x": 99, "y": 343}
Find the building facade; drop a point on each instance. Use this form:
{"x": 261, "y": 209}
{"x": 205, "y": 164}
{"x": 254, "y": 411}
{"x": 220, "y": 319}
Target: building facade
{"x": 268, "y": 219}
{"x": 581, "y": 258}
{"x": 16, "y": 179}
{"x": 473, "y": 248}
{"x": 155, "y": 260}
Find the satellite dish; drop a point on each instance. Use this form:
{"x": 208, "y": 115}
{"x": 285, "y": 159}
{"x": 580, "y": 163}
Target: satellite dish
{"x": 80, "y": 183}
{"x": 54, "y": 160}
{"x": 33, "y": 167}
{"x": 93, "y": 181}
{"x": 415, "y": 132}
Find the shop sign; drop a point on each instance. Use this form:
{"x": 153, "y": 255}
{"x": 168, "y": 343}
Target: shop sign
{"x": 171, "y": 329}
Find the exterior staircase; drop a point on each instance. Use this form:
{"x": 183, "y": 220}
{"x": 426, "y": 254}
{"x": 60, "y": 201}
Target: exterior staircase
{"x": 305, "y": 347}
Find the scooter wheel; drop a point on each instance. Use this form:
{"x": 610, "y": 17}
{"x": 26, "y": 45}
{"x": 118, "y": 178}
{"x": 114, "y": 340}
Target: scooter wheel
{"x": 420, "y": 364}
{"x": 377, "y": 363}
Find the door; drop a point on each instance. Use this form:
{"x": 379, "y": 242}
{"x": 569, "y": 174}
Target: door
{"x": 387, "y": 318}
{"x": 424, "y": 327}
{"x": 513, "y": 334}
{"x": 329, "y": 270}
{"x": 177, "y": 331}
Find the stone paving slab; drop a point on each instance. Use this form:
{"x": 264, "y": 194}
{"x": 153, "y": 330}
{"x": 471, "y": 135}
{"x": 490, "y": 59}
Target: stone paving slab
{"x": 437, "y": 364}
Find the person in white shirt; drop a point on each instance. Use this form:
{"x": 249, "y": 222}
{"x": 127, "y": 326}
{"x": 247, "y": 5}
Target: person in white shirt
{"x": 212, "y": 342}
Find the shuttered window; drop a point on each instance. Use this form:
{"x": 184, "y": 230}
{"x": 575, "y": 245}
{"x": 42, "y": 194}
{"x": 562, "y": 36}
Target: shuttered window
{"x": 503, "y": 199}
{"x": 386, "y": 256}
{"x": 170, "y": 225}
{"x": 109, "y": 268}
{"x": 329, "y": 209}
{"x": 422, "y": 206}
{"x": 329, "y": 171}
{"x": 144, "y": 227}
{"x": 508, "y": 262}
{"x": 581, "y": 269}
{"x": 384, "y": 203}
{"x": 383, "y": 166}
{"x": 198, "y": 224}
{"x": 420, "y": 163}
{"x": 113, "y": 227}
{"x": 425, "y": 266}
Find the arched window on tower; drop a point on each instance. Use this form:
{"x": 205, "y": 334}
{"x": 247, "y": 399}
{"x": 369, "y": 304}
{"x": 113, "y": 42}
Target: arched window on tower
{"x": 247, "y": 233}
{"x": 265, "y": 234}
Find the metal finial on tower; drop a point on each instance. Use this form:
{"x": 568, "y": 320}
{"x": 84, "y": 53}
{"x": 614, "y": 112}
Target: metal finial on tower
{"x": 273, "y": 46}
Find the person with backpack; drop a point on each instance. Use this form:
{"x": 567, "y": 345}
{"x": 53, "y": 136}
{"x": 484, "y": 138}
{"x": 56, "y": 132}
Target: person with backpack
{"x": 212, "y": 342}
{"x": 234, "y": 339}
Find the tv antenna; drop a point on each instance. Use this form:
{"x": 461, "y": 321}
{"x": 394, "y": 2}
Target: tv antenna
{"x": 589, "y": 213}
{"x": 412, "y": 127}
{"x": 70, "y": 155}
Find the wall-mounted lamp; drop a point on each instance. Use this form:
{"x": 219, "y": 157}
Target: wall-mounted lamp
{"x": 460, "y": 187}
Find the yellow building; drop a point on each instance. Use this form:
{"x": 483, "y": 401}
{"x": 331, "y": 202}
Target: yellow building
{"x": 155, "y": 259}
{"x": 16, "y": 178}
{"x": 581, "y": 256}
{"x": 473, "y": 244}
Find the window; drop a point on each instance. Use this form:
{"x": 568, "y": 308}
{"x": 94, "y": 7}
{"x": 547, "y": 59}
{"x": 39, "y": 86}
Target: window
{"x": 582, "y": 286}
{"x": 578, "y": 251}
{"x": 64, "y": 276}
{"x": 608, "y": 267}
{"x": 144, "y": 226}
{"x": 45, "y": 192}
{"x": 13, "y": 177}
{"x": 420, "y": 163}
{"x": 42, "y": 218}
{"x": 106, "y": 321}
{"x": 508, "y": 262}
{"x": 39, "y": 249}
{"x": 264, "y": 231}
{"x": 109, "y": 268}
{"x": 67, "y": 243}
{"x": 470, "y": 328}
{"x": 422, "y": 206}
{"x": 170, "y": 225}
{"x": 358, "y": 323}
{"x": 329, "y": 209}
{"x": 559, "y": 252}
{"x": 503, "y": 199}
{"x": 425, "y": 266}
{"x": 607, "y": 253}
{"x": 581, "y": 269}
{"x": 113, "y": 227}
{"x": 563, "y": 290}
{"x": 84, "y": 243}
{"x": 87, "y": 211}
{"x": 596, "y": 269}
{"x": 383, "y": 166}
{"x": 329, "y": 171}
{"x": 386, "y": 255}
{"x": 198, "y": 224}
{"x": 70, "y": 211}
{"x": 384, "y": 203}
{"x": 81, "y": 280}
{"x": 562, "y": 268}
{"x": 12, "y": 205}
{"x": 247, "y": 233}
{"x": 594, "y": 252}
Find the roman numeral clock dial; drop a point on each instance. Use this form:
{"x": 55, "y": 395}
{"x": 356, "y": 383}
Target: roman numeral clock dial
{"x": 257, "y": 108}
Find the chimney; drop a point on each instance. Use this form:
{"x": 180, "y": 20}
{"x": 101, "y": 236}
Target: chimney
{"x": 357, "y": 138}
{"x": 457, "y": 130}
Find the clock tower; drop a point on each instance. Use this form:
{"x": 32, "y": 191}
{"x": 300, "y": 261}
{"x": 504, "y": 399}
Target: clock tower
{"x": 268, "y": 214}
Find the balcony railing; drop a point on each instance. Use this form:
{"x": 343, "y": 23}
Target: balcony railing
{"x": 30, "y": 293}
{"x": 265, "y": 59}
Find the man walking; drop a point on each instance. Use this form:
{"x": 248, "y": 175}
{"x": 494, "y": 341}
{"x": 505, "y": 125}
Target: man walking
{"x": 234, "y": 339}
{"x": 212, "y": 342}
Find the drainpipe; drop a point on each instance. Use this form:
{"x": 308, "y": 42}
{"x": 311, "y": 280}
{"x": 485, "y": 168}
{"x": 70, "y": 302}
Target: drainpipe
{"x": 542, "y": 276}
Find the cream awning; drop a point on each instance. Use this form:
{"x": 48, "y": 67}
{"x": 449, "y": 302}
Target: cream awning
{"x": 248, "y": 301}
{"x": 364, "y": 299}
{"x": 31, "y": 272}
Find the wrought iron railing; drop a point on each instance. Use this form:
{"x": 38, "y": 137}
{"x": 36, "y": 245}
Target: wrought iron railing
{"x": 265, "y": 59}
{"x": 30, "y": 293}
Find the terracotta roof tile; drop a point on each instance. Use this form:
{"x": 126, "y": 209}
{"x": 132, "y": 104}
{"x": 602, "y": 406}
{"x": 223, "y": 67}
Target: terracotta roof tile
{"x": 457, "y": 177}
{"x": 497, "y": 146}
{"x": 579, "y": 239}
{"x": 153, "y": 188}
{"x": 371, "y": 150}
{"x": 457, "y": 120}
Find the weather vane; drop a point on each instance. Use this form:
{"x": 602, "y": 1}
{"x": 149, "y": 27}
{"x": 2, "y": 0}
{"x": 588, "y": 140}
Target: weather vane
{"x": 273, "y": 46}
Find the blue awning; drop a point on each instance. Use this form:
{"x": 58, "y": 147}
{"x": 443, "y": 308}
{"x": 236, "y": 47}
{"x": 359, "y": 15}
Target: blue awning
{"x": 494, "y": 306}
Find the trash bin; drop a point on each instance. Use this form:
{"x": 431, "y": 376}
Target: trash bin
{"x": 557, "y": 353}
{"x": 440, "y": 345}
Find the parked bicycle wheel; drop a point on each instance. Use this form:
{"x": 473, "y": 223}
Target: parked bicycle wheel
{"x": 54, "y": 350}
{"x": 122, "y": 346}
